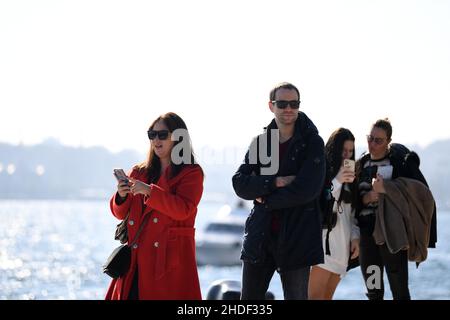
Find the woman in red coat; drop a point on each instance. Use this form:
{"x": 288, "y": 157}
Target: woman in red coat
{"x": 167, "y": 188}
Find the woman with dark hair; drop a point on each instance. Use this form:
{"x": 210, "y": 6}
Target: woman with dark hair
{"x": 161, "y": 198}
{"x": 343, "y": 239}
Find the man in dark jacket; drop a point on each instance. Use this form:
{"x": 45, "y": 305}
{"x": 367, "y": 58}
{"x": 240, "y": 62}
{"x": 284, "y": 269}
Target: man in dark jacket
{"x": 283, "y": 231}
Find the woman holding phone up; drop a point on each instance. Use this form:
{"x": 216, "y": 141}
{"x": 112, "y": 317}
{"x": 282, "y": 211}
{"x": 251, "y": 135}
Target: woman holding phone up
{"x": 162, "y": 195}
{"x": 343, "y": 239}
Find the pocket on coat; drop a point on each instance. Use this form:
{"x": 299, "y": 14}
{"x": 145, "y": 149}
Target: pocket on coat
{"x": 173, "y": 252}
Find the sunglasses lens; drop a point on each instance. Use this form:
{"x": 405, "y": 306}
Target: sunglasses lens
{"x": 376, "y": 140}
{"x": 295, "y": 104}
{"x": 151, "y": 134}
{"x": 282, "y": 104}
{"x": 163, "y": 134}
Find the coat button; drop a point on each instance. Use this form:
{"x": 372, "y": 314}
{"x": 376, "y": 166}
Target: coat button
{"x": 155, "y": 220}
{"x": 131, "y": 222}
{"x": 135, "y": 246}
{"x": 156, "y": 244}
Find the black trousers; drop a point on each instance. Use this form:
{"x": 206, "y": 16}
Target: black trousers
{"x": 256, "y": 278}
{"x": 373, "y": 258}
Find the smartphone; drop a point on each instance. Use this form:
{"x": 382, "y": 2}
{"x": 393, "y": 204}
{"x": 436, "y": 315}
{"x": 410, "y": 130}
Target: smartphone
{"x": 349, "y": 164}
{"x": 120, "y": 175}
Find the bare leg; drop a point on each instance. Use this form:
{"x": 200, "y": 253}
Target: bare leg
{"x": 318, "y": 283}
{"x": 333, "y": 282}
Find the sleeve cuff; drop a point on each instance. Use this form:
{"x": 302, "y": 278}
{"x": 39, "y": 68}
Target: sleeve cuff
{"x": 118, "y": 200}
{"x": 355, "y": 235}
{"x": 336, "y": 188}
{"x": 336, "y": 184}
{"x": 269, "y": 184}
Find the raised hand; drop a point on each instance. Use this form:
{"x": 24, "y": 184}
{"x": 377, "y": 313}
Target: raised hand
{"x": 139, "y": 187}
{"x": 378, "y": 184}
{"x": 345, "y": 175}
{"x": 123, "y": 188}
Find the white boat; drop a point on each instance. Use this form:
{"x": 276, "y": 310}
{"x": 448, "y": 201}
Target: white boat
{"x": 220, "y": 242}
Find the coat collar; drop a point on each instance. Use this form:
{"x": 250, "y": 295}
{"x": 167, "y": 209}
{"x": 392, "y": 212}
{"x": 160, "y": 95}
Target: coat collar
{"x": 303, "y": 126}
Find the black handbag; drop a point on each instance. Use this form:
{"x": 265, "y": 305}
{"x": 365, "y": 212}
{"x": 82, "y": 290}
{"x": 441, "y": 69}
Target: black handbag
{"x": 119, "y": 260}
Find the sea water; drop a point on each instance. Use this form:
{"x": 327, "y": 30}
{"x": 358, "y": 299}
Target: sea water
{"x": 55, "y": 250}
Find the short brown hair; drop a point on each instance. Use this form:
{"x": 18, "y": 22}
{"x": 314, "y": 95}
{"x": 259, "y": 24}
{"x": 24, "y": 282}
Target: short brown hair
{"x": 283, "y": 85}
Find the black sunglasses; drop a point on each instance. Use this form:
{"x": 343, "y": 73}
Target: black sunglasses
{"x": 161, "y": 134}
{"x": 282, "y": 104}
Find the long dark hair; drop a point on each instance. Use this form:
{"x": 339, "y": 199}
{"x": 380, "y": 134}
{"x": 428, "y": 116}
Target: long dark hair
{"x": 152, "y": 165}
{"x": 333, "y": 153}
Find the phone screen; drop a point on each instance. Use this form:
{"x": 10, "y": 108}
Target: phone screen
{"x": 120, "y": 175}
{"x": 385, "y": 172}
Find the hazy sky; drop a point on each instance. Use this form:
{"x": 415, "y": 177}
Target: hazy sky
{"x": 98, "y": 72}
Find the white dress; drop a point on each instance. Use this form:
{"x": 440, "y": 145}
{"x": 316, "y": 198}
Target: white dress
{"x": 346, "y": 229}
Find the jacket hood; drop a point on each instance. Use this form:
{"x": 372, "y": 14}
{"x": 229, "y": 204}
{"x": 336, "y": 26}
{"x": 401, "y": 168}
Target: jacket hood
{"x": 413, "y": 157}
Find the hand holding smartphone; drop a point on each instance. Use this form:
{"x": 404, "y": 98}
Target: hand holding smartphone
{"x": 349, "y": 165}
{"x": 347, "y": 172}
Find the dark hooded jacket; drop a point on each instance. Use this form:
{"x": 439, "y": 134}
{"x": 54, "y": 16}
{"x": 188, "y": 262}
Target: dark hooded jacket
{"x": 405, "y": 164}
{"x": 299, "y": 241}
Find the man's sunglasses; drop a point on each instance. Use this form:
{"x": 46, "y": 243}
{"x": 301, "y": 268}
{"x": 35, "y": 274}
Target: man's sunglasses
{"x": 282, "y": 104}
{"x": 374, "y": 139}
{"x": 161, "y": 134}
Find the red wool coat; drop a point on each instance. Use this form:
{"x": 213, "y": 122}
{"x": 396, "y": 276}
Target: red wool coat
{"x": 165, "y": 251}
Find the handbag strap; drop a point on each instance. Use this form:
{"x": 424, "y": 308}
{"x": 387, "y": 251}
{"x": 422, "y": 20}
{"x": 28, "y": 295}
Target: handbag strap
{"x": 141, "y": 227}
